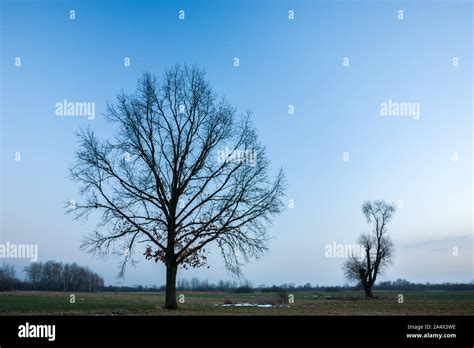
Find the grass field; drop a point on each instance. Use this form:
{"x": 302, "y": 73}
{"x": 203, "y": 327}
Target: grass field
{"x": 206, "y": 303}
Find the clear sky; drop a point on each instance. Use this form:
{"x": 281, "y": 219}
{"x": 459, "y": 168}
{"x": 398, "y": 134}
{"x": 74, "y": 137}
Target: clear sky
{"x": 424, "y": 165}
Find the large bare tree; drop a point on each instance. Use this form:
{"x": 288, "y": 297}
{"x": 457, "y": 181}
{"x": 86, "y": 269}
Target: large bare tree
{"x": 184, "y": 171}
{"x": 377, "y": 246}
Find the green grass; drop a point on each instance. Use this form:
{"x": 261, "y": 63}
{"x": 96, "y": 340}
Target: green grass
{"x": 205, "y": 303}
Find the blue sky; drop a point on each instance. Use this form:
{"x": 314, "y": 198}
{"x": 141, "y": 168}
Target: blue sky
{"x": 282, "y": 62}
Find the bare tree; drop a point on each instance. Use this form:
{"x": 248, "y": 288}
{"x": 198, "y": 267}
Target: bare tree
{"x": 183, "y": 171}
{"x": 378, "y": 247}
{"x": 8, "y": 279}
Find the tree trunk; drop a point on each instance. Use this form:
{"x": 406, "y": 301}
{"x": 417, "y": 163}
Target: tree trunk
{"x": 170, "y": 298}
{"x": 368, "y": 291}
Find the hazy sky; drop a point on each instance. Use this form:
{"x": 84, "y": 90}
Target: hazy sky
{"x": 424, "y": 165}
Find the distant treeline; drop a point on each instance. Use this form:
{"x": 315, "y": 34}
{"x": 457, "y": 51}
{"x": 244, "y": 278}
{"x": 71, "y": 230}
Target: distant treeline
{"x": 8, "y": 279}
{"x": 227, "y": 286}
{"x": 56, "y": 276}
{"x": 402, "y": 284}
{"x": 51, "y": 276}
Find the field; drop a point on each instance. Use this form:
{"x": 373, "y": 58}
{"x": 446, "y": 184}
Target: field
{"x": 207, "y": 303}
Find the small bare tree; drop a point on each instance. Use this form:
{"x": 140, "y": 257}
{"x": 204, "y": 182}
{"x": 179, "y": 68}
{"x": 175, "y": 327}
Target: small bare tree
{"x": 378, "y": 247}
{"x": 183, "y": 171}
